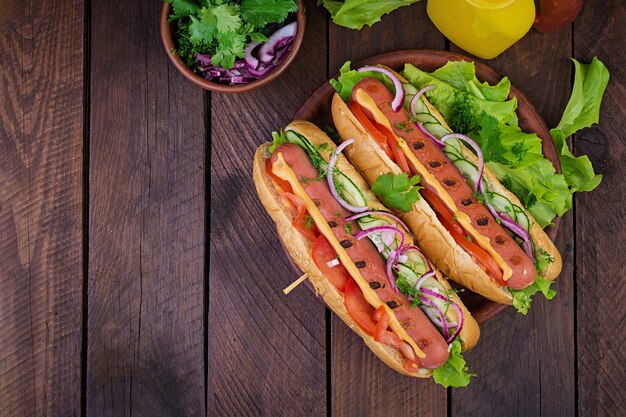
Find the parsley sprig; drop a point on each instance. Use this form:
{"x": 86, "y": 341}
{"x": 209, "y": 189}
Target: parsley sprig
{"x": 397, "y": 191}
{"x": 222, "y": 28}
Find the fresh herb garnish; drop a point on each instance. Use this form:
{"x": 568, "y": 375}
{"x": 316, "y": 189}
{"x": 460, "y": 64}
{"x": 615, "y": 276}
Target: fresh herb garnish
{"x": 402, "y": 126}
{"x": 397, "y": 191}
{"x": 348, "y": 227}
{"x": 222, "y": 28}
{"x": 308, "y": 221}
{"x": 463, "y": 119}
{"x": 469, "y": 238}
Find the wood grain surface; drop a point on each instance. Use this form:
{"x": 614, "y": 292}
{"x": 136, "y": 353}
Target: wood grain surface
{"x": 145, "y": 353}
{"x": 599, "y": 229}
{"x": 41, "y": 271}
{"x": 140, "y": 275}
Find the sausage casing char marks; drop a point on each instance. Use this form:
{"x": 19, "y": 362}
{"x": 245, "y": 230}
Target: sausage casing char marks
{"x": 370, "y": 263}
{"x": 453, "y": 182}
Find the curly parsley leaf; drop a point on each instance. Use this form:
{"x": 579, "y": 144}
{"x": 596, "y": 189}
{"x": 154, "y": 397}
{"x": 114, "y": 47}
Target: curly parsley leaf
{"x": 397, "y": 191}
{"x": 453, "y": 373}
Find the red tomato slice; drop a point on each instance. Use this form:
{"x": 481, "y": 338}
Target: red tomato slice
{"x": 371, "y": 129}
{"x": 358, "y": 308}
{"x": 483, "y": 259}
{"x": 281, "y": 183}
{"x": 400, "y": 159}
{"x": 324, "y": 253}
{"x": 307, "y": 229}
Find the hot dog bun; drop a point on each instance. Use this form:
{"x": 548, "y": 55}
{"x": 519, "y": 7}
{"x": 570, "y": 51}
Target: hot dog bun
{"x": 432, "y": 237}
{"x": 300, "y": 249}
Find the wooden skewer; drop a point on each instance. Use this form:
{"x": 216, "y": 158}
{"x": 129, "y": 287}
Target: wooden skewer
{"x": 295, "y": 284}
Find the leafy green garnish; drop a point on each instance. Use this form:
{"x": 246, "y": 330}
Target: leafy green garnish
{"x": 278, "y": 139}
{"x": 348, "y": 227}
{"x": 348, "y": 78}
{"x": 354, "y": 14}
{"x": 523, "y": 298}
{"x": 397, "y": 191}
{"x": 462, "y": 118}
{"x": 582, "y": 111}
{"x": 222, "y": 28}
{"x": 308, "y": 221}
{"x": 453, "y": 373}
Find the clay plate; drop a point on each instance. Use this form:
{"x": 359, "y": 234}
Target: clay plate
{"x": 317, "y": 109}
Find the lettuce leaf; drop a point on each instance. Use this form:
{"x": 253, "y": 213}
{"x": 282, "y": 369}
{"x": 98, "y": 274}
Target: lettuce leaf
{"x": 462, "y": 75}
{"x": 582, "y": 111}
{"x": 354, "y": 14}
{"x": 453, "y": 373}
{"x": 523, "y": 298}
{"x": 348, "y": 78}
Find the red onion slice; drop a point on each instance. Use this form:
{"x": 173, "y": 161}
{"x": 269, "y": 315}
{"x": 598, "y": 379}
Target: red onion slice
{"x": 331, "y": 181}
{"x": 416, "y": 97}
{"x": 518, "y": 230}
{"x": 380, "y": 212}
{"x": 460, "y": 326}
{"x": 251, "y": 61}
{"x": 396, "y": 104}
{"x": 377, "y": 229}
{"x": 276, "y": 40}
{"x": 433, "y": 306}
{"x": 392, "y": 279}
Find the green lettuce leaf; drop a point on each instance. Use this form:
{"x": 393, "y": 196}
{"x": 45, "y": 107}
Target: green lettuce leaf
{"x": 446, "y": 96}
{"x": 582, "y": 111}
{"x": 453, "y": 373}
{"x": 354, "y": 14}
{"x": 462, "y": 75}
{"x": 523, "y": 298}
{"x": 348, "y": 78}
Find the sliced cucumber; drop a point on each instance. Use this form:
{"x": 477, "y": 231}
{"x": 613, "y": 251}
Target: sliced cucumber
{"x": 434, "y": 285}
{"x": 368, "y": 222}
{"x": 348, "y": 190}
{"x": 467, "y": 169}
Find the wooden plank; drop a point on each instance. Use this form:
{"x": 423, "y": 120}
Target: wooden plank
{"x": 600, "y": 216}
{"x": 525, "y": 364}
{"x": 267, "y": 351}
{"x": 145, "y": 351}
{"x": 361, "y": 384}
{"x": 41, "y": 138}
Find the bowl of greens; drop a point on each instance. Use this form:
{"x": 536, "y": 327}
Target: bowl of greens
{"x": 232, "y": 46}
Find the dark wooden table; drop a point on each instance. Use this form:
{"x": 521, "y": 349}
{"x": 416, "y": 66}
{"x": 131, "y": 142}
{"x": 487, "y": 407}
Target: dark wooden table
{"x": 139, "y": 274}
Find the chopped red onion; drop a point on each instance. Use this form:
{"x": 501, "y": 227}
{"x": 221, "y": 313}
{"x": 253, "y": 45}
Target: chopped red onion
{"x": 414, "y": 100}
{"x": 332, "y": 263}
{"x": 390, "y": 276}
{"x": 331, "y": 181}
{"x": 380, "y": 212}
{"x": 377, "y": 229}
{"x": 396, "y": 104}
{"x": 433, "y": 306}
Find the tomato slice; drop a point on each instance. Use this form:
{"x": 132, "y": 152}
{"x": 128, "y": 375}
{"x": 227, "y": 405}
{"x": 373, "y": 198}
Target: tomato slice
{"x": 371, "y": 129}
{"x": 281, "y": 183}
{"x": 399, "y": 157}
{"x": 324, "y": 253}
{"x": 358, "y": 308}
{"x": 306, "y": 228}
{"x": 485, "y": 261}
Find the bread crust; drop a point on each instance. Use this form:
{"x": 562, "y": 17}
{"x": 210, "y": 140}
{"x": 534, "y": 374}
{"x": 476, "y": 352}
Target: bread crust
{"x": 434, "y": 240}
{"x": 300, "y": 249}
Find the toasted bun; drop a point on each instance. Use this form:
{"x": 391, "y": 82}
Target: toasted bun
{"x": 300, "y": 250}
{"x": 434, "y": 240}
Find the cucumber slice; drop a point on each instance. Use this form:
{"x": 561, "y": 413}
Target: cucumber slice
{"x": 368, "y": 222}
{"x": 467, "y": 169}
{"x": 348, "y": 190}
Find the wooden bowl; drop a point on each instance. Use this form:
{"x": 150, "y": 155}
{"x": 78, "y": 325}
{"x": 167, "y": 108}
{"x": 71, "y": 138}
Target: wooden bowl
{"x": 167, "y": 37}
{"x": 317, "y": 110}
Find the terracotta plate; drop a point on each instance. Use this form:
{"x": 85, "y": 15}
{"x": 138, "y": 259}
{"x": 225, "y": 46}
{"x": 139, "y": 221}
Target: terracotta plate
{"x": 317, "y": 109}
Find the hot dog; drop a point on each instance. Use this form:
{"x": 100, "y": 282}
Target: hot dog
{"x": 358, "y": 256}
{"x": 455, "y": 223}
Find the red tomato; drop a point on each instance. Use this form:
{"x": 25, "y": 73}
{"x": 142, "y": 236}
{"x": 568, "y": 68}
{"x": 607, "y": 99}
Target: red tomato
{"x": 358, "y": 308}
{"x": 306, "y": 227}
{"x": 371, "y": 129}
{"x": 483, "y": 259}
{"x": 324, "y": 253}
{"x": 397, "y": 152}
{"x": 281, "y": 183}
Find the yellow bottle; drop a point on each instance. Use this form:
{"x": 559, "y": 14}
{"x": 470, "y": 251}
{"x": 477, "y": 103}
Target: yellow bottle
{"x": 485, "y": 28}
